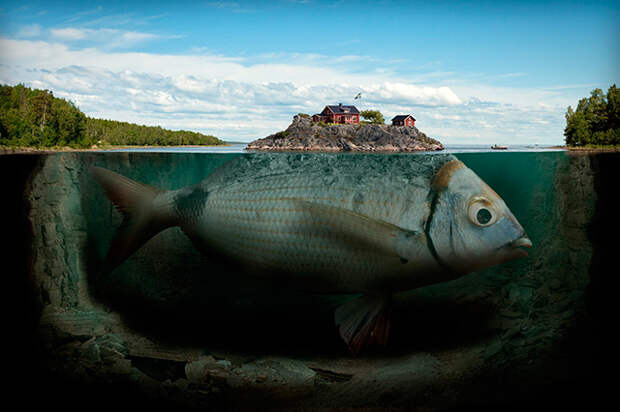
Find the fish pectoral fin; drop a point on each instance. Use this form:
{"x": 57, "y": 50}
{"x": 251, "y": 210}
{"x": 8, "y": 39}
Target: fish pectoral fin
{"x": 364, "y": 321}
{"x": 357, "y": 229}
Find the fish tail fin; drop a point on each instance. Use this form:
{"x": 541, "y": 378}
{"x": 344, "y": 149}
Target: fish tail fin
{"x": 142, "y": 217}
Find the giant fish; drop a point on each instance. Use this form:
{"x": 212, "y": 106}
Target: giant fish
{"x": 367, "y": 224}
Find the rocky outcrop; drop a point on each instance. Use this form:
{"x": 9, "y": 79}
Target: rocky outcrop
{"x": 303, "y": 134}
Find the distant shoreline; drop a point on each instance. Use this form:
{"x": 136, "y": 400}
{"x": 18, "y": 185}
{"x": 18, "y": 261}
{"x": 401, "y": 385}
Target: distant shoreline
{"x": 591, "y": 148}
{"x": 7, "y": 150}
{"x": 44, "y": 150}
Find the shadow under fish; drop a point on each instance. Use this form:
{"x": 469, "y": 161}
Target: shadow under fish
{"x": 331, "y": 224}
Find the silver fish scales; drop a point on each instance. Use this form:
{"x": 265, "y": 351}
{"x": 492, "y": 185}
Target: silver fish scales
{"x": 371, "y": 224}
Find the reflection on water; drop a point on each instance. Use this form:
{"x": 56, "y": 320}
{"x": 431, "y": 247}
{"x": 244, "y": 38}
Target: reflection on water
{"x": 463, "y": 148}
{"x": 240, "y": 148}
{"x": 233, "y": 148}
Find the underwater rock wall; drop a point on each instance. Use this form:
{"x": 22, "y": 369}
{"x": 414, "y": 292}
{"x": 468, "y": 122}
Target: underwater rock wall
{"x": 177, "y": 329}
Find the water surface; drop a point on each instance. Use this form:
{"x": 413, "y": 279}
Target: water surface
{"x": 241, "y": 148}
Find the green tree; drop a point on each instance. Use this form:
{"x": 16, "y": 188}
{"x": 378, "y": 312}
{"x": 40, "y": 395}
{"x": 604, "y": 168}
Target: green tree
{"x": 595, "y": 120}
{"x": 577, "y": 130}
{"x": 613, "y": 108}
{"x": 36, "y": 118}
{"x": 373, "y": 116}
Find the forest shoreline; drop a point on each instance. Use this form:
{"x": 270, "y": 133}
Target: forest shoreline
{"x": 588, "y": 148}
{"x": 5, "y": 150}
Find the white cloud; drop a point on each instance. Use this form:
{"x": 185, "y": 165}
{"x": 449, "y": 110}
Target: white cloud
{"x": 69, "y": 33}
{"x": 235, "y": 7}
{"x": 30, "y": 30}
{"x": 237, "y": 100}
{"x": 134, "y": 36}
{"x": 434, "y": 96}
{"x": 82, "y": 14}
{"x": 109, "y": 38}
{"x": 508, "y": 75}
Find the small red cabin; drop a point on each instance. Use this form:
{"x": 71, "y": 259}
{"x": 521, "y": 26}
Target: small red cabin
{"x": 403, "y": 120}
{"x": 338, "y": 114}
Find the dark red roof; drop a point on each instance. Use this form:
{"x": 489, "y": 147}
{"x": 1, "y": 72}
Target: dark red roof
{"x": 342, "y": 109}
{"x": 402, "y": 117}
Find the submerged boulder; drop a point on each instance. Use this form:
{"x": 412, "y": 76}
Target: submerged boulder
{"x": 304, "y": 134}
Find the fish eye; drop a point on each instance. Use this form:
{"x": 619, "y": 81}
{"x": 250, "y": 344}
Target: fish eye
{"x": 481, "y": 212}
{"x": 483, "y": 216}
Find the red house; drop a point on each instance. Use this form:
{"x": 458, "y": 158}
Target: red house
{"x": 338, "y": 114}
{"x": 403, "y": 120}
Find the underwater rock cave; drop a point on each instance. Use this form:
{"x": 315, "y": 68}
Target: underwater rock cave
{"x": 170, "y": 328}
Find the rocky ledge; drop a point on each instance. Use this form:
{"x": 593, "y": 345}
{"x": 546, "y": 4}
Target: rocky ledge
{"x": 303, "y": 134}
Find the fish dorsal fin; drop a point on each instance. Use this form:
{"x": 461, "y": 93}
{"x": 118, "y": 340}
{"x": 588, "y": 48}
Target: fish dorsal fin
{"x": 366, "y": 232}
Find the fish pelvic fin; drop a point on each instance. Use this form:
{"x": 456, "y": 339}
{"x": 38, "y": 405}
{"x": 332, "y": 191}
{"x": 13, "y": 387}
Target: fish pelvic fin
{"x": 142, "y": 217}
{"x": 364, "y": 321}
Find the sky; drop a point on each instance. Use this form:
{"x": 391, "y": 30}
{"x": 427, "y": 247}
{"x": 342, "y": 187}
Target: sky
{"x": 470, "y": 72}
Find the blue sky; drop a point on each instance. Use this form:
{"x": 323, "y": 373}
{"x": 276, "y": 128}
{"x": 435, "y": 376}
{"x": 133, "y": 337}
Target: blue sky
{"x": 470, "y": 72}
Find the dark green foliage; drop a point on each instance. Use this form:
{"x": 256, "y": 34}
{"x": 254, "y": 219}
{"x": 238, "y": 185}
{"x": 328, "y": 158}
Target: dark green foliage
{"x": 111, "y": 132}
{"x": 281, "y": 135}
{"x": 36, "y": 118}
{"x": 425, "y": 139}
{"x": 303, "y": 115}
{"x": 595, "y": 121}
{"x": 373, "y": 116}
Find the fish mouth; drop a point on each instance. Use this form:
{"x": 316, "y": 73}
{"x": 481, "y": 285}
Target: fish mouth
{"x": 518, "y": 245}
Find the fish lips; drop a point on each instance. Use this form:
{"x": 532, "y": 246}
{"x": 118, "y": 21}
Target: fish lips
{"x": 515, "y": 248}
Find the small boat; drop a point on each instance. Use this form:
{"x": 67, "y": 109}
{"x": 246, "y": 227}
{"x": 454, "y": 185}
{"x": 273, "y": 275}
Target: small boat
{"x": 498, "y": 147}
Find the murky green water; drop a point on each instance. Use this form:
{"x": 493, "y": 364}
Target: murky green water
{"x": 169, "y": 271}
{"x": 169, "y": 294}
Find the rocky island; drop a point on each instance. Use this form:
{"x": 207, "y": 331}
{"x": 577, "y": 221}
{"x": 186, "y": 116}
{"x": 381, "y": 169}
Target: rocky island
{"x": 304, "y": 134}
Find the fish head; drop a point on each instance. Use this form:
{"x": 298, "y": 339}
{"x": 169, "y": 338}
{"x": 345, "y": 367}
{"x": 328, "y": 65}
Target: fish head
{"x": 469, "y": 225}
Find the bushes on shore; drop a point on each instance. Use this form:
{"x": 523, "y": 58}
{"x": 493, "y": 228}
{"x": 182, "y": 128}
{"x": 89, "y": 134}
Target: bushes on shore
{"x": 595, "y": 120}
{"x": 33, "y": 117}
{"x": 372, "y": 117}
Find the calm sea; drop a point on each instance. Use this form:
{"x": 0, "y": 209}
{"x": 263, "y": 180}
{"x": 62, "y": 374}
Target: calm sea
{"x": 240, "y": 148}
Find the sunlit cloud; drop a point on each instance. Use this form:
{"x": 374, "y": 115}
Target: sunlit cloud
{"x": 242, "y": 99}
{"x": 69, "y": 33}
{"x": 110, "y": 38}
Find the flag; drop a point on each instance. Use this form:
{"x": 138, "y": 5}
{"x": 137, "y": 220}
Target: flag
{"x": 359, "y": 96}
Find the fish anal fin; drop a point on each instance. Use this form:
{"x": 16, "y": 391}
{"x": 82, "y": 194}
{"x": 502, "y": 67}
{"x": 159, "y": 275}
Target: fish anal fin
{"x": 364, "y": 321}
